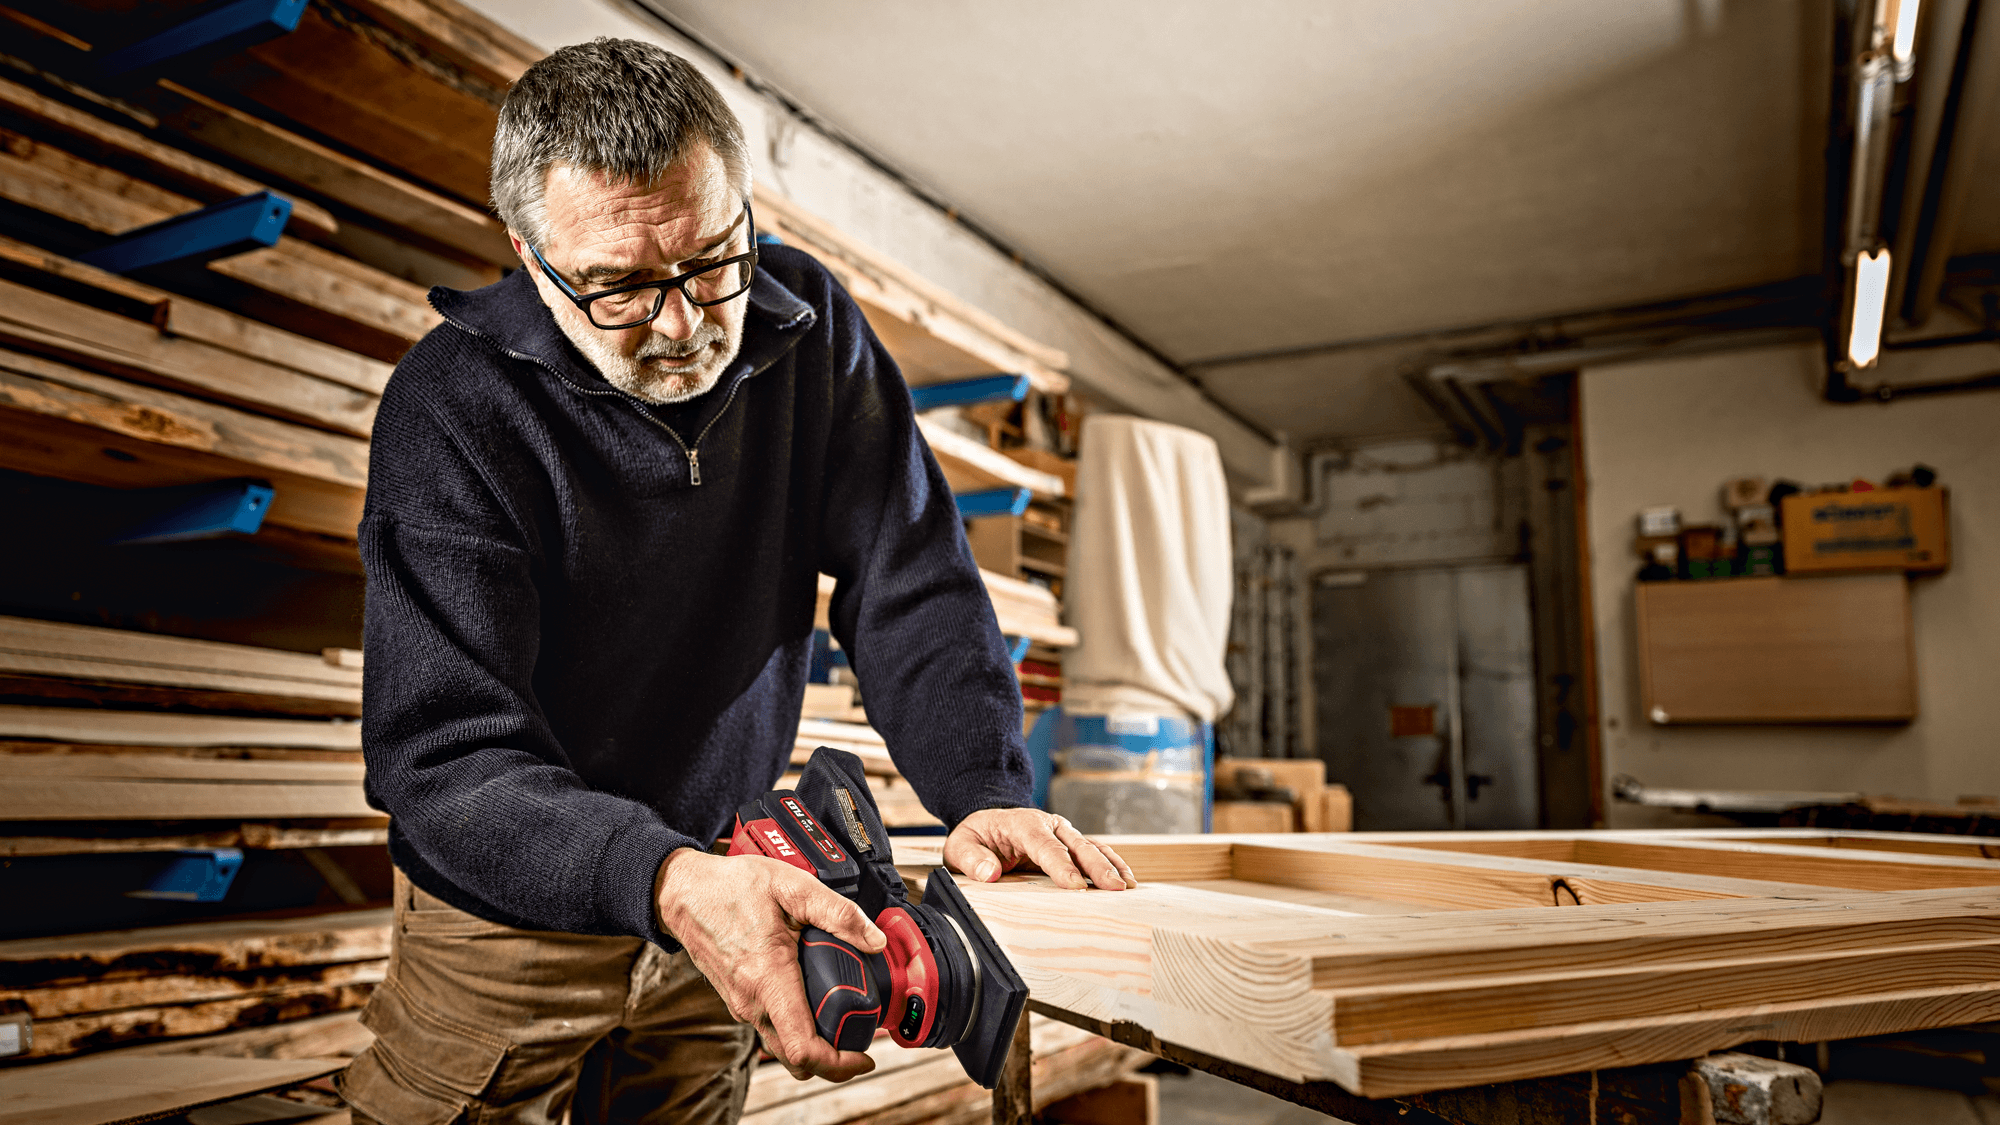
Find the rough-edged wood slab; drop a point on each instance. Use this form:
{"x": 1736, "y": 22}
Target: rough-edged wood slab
{"x": 57, "y": 420}
{"x": 196, "y": 949}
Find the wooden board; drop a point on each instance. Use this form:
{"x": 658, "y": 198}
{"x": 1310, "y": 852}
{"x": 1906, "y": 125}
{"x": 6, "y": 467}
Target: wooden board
{"x": 175, "y": 315}
{"x": 57, "y": 420}
{"x": 970, "y": 466}
{"x": 1396, "y": 963}
{"x": 97, "y": 787}
{"x": 32, "y": 320}
{"x": 382, "y": 314}
{"x": 156, "y": 162}
{"x": 1770, "y": 650}
{"x": 151, "y": 728}
{"x": 932, "y": 335}
{"x": 109, "y": 1091}
{"x": 86, "y": 652}
{"x": 345, "y": 833}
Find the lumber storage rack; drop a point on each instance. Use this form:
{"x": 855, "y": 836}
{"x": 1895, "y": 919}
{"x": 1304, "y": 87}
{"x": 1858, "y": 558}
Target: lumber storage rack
{"x": 1513, "y": 976}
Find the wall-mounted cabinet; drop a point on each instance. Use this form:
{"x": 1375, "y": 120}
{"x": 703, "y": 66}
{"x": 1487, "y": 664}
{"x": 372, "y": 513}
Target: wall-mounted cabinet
{"x": 1777, "y": 650}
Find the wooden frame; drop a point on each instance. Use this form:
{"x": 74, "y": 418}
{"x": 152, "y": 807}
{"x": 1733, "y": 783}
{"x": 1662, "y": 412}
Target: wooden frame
{"x": 1402, "y": 963}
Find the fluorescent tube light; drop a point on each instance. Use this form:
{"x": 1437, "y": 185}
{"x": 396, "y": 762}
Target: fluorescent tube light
{"x": 1871, "y": 295}
{"x": 1904, "y": 48}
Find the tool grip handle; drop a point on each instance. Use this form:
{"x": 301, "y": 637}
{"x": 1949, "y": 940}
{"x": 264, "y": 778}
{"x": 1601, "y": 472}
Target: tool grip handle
{"x": 846, "y": 997}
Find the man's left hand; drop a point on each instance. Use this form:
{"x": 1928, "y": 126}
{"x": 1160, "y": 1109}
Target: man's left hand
{"x": 992, "y": 842}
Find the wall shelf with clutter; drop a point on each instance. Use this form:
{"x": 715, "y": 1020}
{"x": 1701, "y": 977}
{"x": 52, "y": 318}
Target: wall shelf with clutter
{"x": 1796, "y": 609}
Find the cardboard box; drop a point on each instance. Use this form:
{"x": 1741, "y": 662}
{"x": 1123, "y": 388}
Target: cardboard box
{"x": 1888, "y": 529}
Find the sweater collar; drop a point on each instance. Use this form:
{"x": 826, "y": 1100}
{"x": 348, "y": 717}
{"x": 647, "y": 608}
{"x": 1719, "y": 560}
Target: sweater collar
{"x": 510, "y": 314}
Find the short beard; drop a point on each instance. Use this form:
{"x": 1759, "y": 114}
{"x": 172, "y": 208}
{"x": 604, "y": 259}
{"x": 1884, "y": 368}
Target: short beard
{"x": 655, "y": 382}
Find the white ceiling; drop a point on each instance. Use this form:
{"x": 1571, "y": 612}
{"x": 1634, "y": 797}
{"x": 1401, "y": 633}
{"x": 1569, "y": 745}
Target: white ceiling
{"x": 1224, "y": 179}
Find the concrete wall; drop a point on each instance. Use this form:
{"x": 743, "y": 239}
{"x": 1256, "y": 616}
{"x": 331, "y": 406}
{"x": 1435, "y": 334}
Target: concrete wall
{"x": 1670, "y": 432}
{"x": 832, "y": 182}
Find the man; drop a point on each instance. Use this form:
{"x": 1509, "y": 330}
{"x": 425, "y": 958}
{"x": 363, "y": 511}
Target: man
{"x": 600, "y": 493}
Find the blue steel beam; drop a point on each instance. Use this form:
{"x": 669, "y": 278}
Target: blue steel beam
{"x": 193, "y": 875}
{"x": 248, "y": 222}
{"x": 966, "y": 392}
{"x": 198, "y": 511}
{"x": 221, "y": 29}
{"x": 991, "y": 502}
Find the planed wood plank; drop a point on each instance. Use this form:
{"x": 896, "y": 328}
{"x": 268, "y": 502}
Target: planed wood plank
{"x": 57, "y": 799}
{"x": 1864, "y": 870}
{"x": 1478, "y": 881}
{"x": 331, "y": 174}
{"x": 174, "y": 167}
{"x": 166, "y": 767}
{"x": 36, "y": 321}
{"x": 92, "y": 652}
{"x": 1560, "y": 997}
{"x": 57, "y": 420}
{"x": 186, "y": 317}
{"x": 1405, "y": 1068}
{"x": 149, "y": 728}
{"x": 93, "y": 1091}
{"x": 345, "y": 833}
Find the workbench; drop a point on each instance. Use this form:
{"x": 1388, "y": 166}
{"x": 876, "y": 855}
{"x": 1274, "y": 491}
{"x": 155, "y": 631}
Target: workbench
{"x": 1511, "y": 976}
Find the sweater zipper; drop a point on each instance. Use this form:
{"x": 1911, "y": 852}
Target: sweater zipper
{"x": 691, "y": 452}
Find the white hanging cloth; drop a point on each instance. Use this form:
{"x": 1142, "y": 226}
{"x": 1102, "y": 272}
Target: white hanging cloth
{"x": 1149, "y": 575}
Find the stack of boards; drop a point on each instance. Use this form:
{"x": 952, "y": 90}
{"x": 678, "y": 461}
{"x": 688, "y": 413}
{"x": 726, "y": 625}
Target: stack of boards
{"x": 374, "y": 118}
{"x": 1404, "y": 963}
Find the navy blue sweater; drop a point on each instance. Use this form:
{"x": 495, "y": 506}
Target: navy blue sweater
{"x": 582, "y": 656}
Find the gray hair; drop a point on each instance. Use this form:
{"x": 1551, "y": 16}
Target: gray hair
{"x": 617, "y": 106}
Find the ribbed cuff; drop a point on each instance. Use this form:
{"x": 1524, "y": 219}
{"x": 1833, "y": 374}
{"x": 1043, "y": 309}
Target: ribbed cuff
{"x": 627, "y": 872}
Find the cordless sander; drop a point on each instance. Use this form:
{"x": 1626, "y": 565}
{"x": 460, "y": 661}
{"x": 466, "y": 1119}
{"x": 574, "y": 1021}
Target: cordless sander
{"x": 942, "y": 981}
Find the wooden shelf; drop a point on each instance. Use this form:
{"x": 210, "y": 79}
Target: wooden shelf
{"x": 971, "y": 467}
{"x": 934, "y": 336}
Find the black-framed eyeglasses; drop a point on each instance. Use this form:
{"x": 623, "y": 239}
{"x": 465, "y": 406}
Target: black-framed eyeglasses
{"x": 629, "y": 306}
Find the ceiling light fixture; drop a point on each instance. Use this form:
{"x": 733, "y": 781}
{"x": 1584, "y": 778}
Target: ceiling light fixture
{"x": 1871, "y": 298}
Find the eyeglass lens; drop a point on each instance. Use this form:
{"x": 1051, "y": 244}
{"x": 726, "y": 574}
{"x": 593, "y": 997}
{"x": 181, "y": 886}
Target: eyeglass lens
{"x": 629, "y": 310}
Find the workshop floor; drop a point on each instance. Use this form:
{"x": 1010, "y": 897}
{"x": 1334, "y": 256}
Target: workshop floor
{"x": 1203, "y": 1099}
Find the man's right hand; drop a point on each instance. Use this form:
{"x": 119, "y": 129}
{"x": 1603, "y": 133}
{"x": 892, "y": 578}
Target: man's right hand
{"x": 739, "y": 918}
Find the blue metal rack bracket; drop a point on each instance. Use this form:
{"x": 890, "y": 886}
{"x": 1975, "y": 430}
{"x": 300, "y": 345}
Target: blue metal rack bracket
{"x": 991, "y": 502}
{"x": 248, "y": 222}
{"x": 966, "y": 392}
{"x": 220, "y": 29}
{"x": 198, "y": 511}
{"x": 193, "y": 875}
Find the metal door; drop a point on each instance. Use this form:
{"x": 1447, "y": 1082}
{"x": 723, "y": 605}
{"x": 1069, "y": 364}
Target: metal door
{"x": 1424, "y": 681}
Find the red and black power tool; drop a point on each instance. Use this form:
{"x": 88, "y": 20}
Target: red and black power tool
{"x": 941, "y": 982}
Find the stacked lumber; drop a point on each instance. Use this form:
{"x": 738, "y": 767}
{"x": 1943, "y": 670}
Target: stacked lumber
{"x": 373, "y": 119}
{"x": 1398, "y": 963}
{"x": 1300, "y": 798}
{"x": 92, "y": 991}
{"x": 928, "y": 1087}
{"x": 894, "y": 797}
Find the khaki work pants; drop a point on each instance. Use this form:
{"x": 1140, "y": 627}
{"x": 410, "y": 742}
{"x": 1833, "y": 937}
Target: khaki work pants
{"x": 479, "y": 1022}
